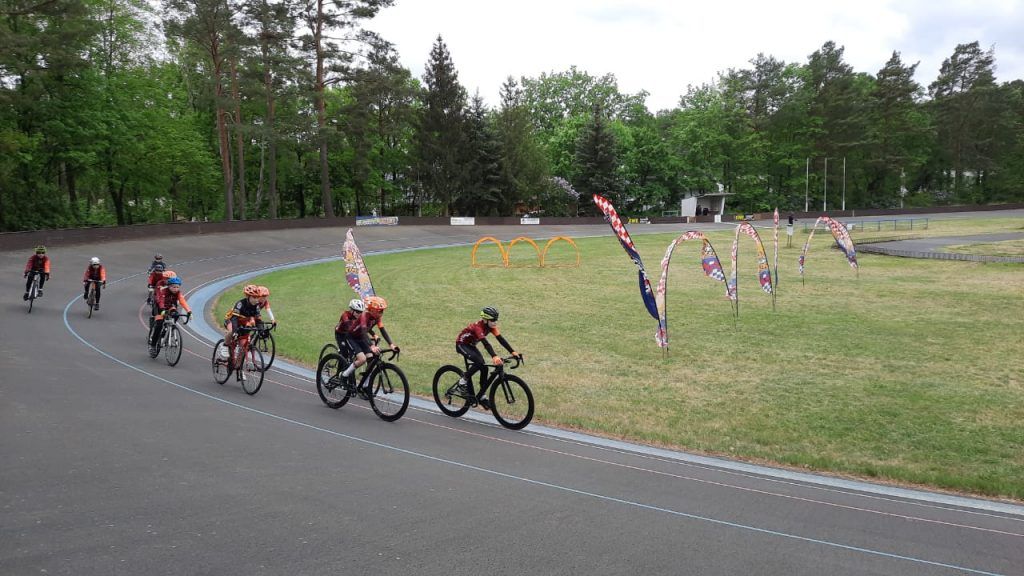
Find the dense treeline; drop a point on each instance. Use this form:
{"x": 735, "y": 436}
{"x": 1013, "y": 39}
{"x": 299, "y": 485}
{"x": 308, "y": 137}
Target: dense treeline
{"x": 112, "y": 111}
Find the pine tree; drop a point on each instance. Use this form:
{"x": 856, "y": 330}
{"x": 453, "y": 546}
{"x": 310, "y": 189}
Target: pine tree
{"x": 597, "y": 163}
{"x": 482, "y": 194}
{"x": 524, "y": 174}
{"x": 442, "y": 130}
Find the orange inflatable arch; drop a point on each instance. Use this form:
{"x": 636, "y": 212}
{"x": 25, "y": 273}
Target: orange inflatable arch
{"x": 501, "y": 250}
{"x": 544, "y": 254}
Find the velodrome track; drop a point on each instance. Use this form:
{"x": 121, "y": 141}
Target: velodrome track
{"x": 114, "y": 463}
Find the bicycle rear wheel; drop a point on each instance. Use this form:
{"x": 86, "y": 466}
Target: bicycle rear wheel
{"x": 221, "y": 366}
{"x": 32, "y": 294}
{"x": 511, "y": 402}
{"x": 327, "y": 349}
{"x": 253, "y": 371}
{"x": 268, "y": 347}
{"x": 445, "y": 380}
{"x": 172, "y": 344}
{"x": 390, "y": 396}
{"x": 330, "y": 382}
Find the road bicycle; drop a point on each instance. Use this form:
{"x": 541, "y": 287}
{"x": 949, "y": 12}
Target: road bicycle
{"x": 246, "y": 361}
{"x": 33, "y": 289}
{"x": 92, "y": 298}
{"x": 263, "y": 339}
{"x": 505, "y": 395}
{"x": 170, "y": 341}
{"x": 381, "y": 382}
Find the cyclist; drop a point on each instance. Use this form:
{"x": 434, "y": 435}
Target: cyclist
{"x": 157, "y": 285}
{"x": 94, "y": 272}
{"x": 465, "y": 344}
{"x": 264, "y": 303}
{"x": 156, "y": 270}
{"x": 245, "y": 312}
{"x": 362, "y": 337}
{"x": 347, "y": 325}
{"x": 167, "y": 299}
{"x": 38, "y": 263}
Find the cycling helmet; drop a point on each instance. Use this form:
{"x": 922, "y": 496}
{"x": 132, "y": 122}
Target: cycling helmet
{"x": 489, "y": 313}
{"x": 170, "y": 274}
{"x": 356, "y": 305}
{"x": 264, "y": 291}
{"x": 174, "y": 281}
{"x": 251, "y": 290}
{"x": 40, "y": 249}
{"x": 158, "y": 257}
{"x": 159, "y": 267}
{"x": 94, "y": 261}
{"x": 376, "y": 304}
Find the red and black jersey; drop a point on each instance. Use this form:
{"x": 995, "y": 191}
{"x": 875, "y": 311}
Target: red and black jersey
{"x": 97, "y": 272}
{"x": 243, "y": 309}
{"x": 476, "y": 332}
{"x": 348, "y": 323}
{"x": 39, "y": 263}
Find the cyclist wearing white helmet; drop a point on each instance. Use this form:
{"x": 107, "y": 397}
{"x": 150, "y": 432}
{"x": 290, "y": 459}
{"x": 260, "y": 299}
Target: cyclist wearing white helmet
{"x": 348, "y": 323}
{"x": 94, "y": 272}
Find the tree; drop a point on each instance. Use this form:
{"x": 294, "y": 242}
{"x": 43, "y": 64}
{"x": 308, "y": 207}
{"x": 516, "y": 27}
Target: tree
{"x": 324, "y": 18}
{"x": 482, "y": 193}
{"x": 524, "y": 173}
{"x": 208, "y": 24}
{"x": 442, "y": 134}
{"x": 597, "y": 161}
{"x": 966, "y": 101}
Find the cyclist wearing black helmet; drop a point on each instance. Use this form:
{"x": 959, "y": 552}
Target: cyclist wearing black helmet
{"x": 466, "y": 342}
{"x": 38, "y": 264}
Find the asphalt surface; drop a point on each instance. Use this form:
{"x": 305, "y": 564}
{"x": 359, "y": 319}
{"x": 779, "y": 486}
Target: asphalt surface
{"x": 114, "y": 463}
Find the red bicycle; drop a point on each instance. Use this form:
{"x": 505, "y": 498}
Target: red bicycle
{"x": 245, "y": 361}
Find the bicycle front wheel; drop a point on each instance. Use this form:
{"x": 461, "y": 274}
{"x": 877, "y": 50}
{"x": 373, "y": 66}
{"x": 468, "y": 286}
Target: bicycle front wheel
{"x": 172, "y": 344}
{"x": 253, "y": 371}
{"x": 221, "y": 364}
{"x": 329, "y": 381}
{"x": 268, "y": 347}
{"x": 445, "y": 380}
{"x": 390, "y": 397}
{"x": 91, "y": 301}
{"x": 511, "y": 402}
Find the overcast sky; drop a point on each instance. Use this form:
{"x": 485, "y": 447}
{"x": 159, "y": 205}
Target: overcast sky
{"x": 663, "y": 45}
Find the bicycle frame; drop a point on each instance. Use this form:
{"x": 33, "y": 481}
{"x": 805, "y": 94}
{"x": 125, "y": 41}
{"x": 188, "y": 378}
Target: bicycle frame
{"x": 492, "y": 377}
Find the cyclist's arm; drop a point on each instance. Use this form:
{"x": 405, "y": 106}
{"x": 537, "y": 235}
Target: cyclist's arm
{"x": 46, "y": 265}
{"x": 183, "y": 303}
{"x": 103, "y": 274}
{"x": 487, "y": 345}
{"x": 387, "y": 338}
{"x": 503, "y": 343}
{"x": 270, "y": 314}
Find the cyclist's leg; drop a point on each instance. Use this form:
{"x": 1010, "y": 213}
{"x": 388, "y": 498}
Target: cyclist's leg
{"x": 28, "y": 281}
{"x": 85, "y": 290}
{"x": 98, "y": 292}
{"x": 476, "y": 363}
{"x": 158, "y": 327}
{"x": 42, "y": 280}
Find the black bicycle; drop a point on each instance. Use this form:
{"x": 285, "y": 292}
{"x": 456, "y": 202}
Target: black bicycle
{"x": 381, "y": 382}
{"x": 170, "y": 341}
{"x": 505, "y": 395}
{"x": 33, "y": 289}
{"x": 263, "y": 340}
{"x": 92, "y": 297}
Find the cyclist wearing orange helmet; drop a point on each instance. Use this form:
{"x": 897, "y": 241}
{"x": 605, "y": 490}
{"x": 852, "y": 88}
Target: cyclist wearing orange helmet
{"x": 361, "y": 337}
{"x": 264, "y": 303}
{"x": 245, "y": 312}
{"x": 159, "y": 284}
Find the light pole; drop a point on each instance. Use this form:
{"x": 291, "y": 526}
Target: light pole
{"x": 844, "y": 183}
{"x": 824, "y": 207}
{"x": 807, "y": 184}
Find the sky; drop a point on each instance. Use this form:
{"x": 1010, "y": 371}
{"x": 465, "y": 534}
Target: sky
{"x": 662, "y": 46}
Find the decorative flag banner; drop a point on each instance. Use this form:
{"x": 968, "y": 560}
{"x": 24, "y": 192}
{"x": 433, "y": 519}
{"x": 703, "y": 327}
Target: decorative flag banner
{"x": 764, "y": 274}
{"x": 776, "y": 243}
{"x": 612, "y": 218}
{"x": 843, "y": 241}
{"x": 355, "y": 270}
{"x": 712, "y": 269}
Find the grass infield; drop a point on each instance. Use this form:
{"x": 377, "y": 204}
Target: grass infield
{"x": 908, "y": 372}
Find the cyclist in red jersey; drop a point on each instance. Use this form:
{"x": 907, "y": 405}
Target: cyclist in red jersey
{"x": 94, "y": 272}
{"x": 166, "y": 299}
{"x": 465, "y": 344}
{"x": 361, "y": 337}
{"x": 158, "y": 285}
{"x": 348, "y": 324}
{"x": 38, "y": 263}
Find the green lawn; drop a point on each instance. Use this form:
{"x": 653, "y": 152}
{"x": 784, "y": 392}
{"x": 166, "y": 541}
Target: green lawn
{"x": 909, "y": 371}
{"x": 1005, "y": 248}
